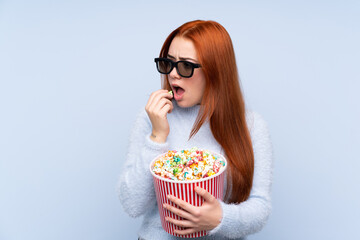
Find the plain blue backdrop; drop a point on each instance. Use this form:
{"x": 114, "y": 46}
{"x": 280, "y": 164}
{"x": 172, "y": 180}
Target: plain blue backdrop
{"x": 73, "y": 75}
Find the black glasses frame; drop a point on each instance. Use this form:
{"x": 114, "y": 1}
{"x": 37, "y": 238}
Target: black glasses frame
{"x": 175, "y": 64}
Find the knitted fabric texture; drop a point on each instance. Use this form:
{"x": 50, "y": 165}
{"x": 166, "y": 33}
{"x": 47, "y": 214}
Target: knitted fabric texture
{"x": 136, "y": 190}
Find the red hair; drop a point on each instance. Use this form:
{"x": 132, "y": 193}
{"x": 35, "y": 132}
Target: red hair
{"x": 222, "y": 102}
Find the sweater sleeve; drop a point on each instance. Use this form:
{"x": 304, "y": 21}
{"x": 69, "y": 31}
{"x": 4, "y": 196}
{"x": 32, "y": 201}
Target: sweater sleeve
{"x": 251, "y": 215}
{"x": 135, "y": 186}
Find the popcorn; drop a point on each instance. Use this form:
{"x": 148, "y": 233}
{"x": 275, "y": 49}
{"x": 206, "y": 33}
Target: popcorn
{"x": 188, "y": 164}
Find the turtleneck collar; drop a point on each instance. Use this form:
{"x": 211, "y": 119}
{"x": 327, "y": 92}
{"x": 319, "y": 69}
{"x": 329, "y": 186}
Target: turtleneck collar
{"x": 188, "y": 110}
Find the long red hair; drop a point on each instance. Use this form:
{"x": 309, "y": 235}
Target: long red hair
{"x": 222, "y": 102}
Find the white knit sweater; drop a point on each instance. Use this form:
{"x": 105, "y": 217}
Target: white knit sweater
{"x": 137, "y": 193}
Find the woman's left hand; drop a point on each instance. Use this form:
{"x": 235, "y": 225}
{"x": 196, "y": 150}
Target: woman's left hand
{"x": 195, "y": 219}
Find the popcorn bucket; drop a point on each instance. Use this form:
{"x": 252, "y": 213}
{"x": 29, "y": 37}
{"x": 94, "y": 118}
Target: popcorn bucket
{"x": 185, "y": 190}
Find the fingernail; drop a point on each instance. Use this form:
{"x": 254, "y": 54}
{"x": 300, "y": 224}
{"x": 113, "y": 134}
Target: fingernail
{"x": 164, "y": 205}
{"x": 168, "y": 196}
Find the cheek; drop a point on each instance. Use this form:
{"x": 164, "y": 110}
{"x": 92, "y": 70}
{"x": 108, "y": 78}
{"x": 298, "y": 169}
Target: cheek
{"x": 199, "y": 84}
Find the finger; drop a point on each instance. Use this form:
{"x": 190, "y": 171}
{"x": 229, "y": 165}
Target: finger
{"x": 166, "y": 109}
{"x": 161, "y": 104}
{"x": 179, "y": 212}
{"x": 154, "y": 95}
{"x": 205, "y": 194}
{"x": 161, "y": 95}
{"x": 185, "y": 231}
{"x": 151, "y": 98}
{"x": 161, "y": 109}
{"x": 158, "y": 101}
{"x": 172, "y": 107}
{"x": 184, "y": 205}
{"x": 171, "y": 94}
{"x": 180, "y": 223}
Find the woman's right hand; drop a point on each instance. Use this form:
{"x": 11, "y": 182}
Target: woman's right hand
{"x": 157, "y": 107}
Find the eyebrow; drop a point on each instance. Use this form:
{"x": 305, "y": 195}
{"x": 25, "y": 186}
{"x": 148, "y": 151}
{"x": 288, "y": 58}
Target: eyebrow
{"x": 182, "y": 58}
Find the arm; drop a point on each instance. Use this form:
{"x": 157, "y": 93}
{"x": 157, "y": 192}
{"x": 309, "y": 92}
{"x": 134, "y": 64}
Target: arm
{"x": 135, "y": 186}
{"x": 148, "y": 140}
{"x": 250, "y": 216}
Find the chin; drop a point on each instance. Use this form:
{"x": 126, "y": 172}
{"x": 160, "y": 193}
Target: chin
{"x": 182, "y": 104}
{"x": 185, "y": 104}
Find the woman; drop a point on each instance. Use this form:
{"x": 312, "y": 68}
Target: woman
{"x": 205, "y": 109}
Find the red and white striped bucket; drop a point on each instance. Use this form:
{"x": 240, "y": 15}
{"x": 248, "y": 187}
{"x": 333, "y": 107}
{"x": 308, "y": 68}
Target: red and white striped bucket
{"x": 185, "y": 190}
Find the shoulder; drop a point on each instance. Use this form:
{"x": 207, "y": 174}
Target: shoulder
{"x": 142, "y": 118}
{"x": 257, "y": 125}
{"x": 141, "y": 113}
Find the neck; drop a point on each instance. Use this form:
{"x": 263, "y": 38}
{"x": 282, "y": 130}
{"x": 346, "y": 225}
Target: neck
{"x": 189, "y": 110}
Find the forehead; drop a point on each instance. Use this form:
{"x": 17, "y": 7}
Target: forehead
{"x": 182, "y": 47}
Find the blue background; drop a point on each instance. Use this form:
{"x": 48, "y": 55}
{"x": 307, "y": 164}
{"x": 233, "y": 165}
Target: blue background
{"x": 73, "y": 75}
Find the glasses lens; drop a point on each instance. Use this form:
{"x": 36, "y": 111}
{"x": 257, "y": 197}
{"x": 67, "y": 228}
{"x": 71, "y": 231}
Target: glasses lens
{"x": 163, "y": 66}
{"x": 185, "y": 69}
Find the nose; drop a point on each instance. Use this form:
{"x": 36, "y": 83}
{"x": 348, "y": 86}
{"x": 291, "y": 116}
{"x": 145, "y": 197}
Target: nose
{"x": 174, "y": 74}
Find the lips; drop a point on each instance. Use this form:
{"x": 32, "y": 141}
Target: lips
{"x": 178, "y": 92}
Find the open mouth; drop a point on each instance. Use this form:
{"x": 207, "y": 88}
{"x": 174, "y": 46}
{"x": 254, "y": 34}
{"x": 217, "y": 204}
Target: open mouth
{"x": 178, "y": 92}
